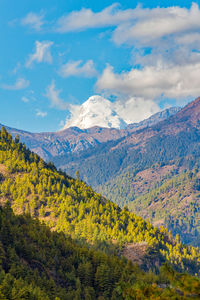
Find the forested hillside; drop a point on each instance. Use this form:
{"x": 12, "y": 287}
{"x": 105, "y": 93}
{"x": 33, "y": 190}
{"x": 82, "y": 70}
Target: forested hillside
{"x": 38, "y": 264}
{"x": 167, "y": 195}
{"x": 175, "y": 204}
{"x": 69, "y": 205}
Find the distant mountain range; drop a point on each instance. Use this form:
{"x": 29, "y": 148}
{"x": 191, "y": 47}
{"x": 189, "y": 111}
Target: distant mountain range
{"x": 74, "y": 140}
{"x": 139, "y": 147}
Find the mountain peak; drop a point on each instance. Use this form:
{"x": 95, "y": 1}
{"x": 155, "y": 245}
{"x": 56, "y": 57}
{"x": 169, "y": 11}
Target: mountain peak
{"x": 96, "y": 111}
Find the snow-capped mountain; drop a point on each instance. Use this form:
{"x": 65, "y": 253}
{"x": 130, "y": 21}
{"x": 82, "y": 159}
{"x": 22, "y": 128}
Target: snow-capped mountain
{"x": 75, "y": 140}
{"x": 96, "y": 111}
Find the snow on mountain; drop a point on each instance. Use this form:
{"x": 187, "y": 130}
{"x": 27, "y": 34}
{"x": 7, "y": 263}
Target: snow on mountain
{"x": 96, "y": 111}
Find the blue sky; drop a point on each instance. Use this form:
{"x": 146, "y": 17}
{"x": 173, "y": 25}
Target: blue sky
{"x": 54, "y": 55}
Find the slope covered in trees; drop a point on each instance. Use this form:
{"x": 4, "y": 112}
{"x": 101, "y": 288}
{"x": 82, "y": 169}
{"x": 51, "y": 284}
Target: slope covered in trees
{"x": 175, "y": 204}
{"x": 69, "y": 205}
{"x": 38, "y": 264}
{"x": 167, "y": 195}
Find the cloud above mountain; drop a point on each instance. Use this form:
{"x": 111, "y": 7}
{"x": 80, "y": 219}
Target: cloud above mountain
{"x": 99, "y": 111}
{"x": 165, "y": 63}
{"x": 153, "y": 82}
{"x": 165, "y": 44}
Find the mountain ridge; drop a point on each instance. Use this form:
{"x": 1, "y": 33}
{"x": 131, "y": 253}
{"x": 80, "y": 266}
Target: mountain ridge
{"x": 75, "y": 140}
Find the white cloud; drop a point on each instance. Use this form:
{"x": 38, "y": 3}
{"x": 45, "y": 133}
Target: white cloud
{"x": 86, "y": 18}
{"x": 150, "y": 25}
{"x": 40, "y": 113}
{"x": 25, "y": 99}
{"x": 33, "y": 20}
{"x": 191, "y": 39}
{"x": 77, "y": 68}
{"x": 166, "y": 46}
{"x": 20, "y": 84}
{"x": 42, "y": 53}
{"x": 160, "y": 28}
{"x": 141, "y": 25}
{"x": 172, "y": 81}
{"x": 54, "y": 96}
{"x": 136, "y": 109}
{"x": 98, "y": 111}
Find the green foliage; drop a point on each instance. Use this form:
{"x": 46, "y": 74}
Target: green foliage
{"x": 70, "y": 206}
{"x": 166, "y": 195}
{"x": 38, "y": 264}
{"x": 179, "y": 191}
